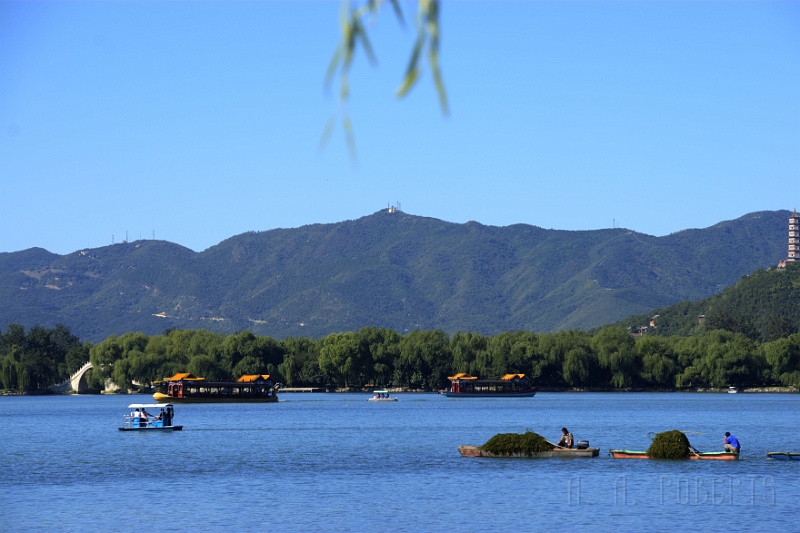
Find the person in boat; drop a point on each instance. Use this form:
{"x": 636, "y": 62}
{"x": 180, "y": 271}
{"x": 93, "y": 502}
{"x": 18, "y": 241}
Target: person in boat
{"x": 143, "y": 417}
{"x": 566, "y": 439}
{"x": 731, "y": 443}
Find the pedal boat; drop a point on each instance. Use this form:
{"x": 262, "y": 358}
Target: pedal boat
{"x": 381, "y": 396}
{"x": 134, "y": 421}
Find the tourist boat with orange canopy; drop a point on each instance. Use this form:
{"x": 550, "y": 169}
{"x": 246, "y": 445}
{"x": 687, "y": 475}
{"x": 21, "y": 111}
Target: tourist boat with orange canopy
{"x": 184, "y": 387}
{"x": 462, "y": 385}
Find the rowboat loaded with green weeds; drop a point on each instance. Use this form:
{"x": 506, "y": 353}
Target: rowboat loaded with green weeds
{"x": 528, "y": 445}
{"x": 673, "y": 445}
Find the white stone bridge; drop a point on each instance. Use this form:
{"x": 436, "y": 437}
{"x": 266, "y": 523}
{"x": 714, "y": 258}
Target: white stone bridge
{"x": 76, "y": 382}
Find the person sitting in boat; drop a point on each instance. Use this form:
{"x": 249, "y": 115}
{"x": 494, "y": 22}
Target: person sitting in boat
{"x": 731, "y": 443}
{"x": 566, "y": 439}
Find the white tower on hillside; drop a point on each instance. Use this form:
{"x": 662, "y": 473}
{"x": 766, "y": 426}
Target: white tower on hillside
{"x": 794, "y": 238}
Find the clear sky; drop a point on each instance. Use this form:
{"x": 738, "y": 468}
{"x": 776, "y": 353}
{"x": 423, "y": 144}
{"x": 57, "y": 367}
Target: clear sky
{"x": 194, "y": 121}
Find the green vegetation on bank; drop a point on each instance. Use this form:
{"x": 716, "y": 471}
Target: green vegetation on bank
{"x": 609, "y": 359}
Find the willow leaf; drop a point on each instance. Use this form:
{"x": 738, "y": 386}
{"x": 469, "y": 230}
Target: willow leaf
{"x": 351, "y": 138}
{"x": 326, "y": 133}
{"x": 412, "y": 71}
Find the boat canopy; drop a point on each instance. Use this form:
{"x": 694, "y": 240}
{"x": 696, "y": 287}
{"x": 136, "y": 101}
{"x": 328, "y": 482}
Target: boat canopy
{"x": 464, "y": 376}
{"x": 148, "y": 405}
{"x": 251, "y": 378}
{"x": 461, "y": 375}
{"x": 184, "y": 376}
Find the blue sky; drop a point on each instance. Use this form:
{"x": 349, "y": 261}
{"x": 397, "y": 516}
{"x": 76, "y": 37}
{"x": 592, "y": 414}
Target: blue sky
{"x": 195, "y": 121}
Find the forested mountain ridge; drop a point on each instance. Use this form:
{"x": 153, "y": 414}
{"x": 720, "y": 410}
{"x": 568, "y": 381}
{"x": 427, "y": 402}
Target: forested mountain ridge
{"x": 392, "y": 270}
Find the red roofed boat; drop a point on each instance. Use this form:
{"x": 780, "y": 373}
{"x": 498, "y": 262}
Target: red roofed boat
{"x": 183, "y": 387}
{"x": 462, "y": 385}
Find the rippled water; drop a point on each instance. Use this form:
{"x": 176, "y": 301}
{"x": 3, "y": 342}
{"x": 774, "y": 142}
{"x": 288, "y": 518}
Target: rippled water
{"x": 335, "y": 462}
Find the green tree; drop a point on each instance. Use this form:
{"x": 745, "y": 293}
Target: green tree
{"x": 469, "y": 354}
{"x": 616, "y": 353}
{"x": 548, "y": 363}
{"x": 731, "y": 359}
{"x": 424, "y": 360}
{"x": 343, "y": 358}
{"x": 236, "y": 347}
{"x": 208, "y": 367}
{"x": 658, "y": 364}
{"x": 105, "y": 355}
{"x": 300, "y": 365}
{"x": 783, "y": 357}
{"x": 383, "y": 346}
{"x": 579, "y": 366}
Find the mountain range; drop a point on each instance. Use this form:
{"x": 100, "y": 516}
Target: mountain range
{"x": 389, "y": 269}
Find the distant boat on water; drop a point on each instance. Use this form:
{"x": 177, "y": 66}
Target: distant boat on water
{"x": 462, "y": 385}
{"x": 186, "y": 388}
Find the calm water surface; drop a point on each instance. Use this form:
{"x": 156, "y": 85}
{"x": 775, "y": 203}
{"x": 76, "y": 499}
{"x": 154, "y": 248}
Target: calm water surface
{"x": 335, "y": 462}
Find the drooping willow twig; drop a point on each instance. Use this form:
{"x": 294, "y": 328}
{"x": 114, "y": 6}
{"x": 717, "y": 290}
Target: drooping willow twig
{"x": 354, "y": 34}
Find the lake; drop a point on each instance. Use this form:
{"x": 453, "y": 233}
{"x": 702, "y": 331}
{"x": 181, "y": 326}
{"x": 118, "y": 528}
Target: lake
{"x": 335, "y": 462}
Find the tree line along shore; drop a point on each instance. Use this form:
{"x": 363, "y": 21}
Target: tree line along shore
{"x": 609, "y": 358}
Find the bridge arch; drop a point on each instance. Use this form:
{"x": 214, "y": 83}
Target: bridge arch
{"x": 78, "y": 379}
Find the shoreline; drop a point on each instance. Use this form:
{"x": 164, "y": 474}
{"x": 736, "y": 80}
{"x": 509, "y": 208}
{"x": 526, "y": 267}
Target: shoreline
{"x": 369, "y": 390}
